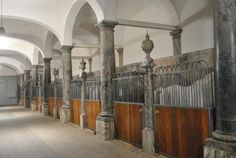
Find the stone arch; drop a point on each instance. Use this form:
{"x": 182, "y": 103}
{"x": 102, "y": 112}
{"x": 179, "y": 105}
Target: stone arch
{"x": 73, "y": 13}
{"x": 18, "y": 71}
{"x": 14, "y": 63}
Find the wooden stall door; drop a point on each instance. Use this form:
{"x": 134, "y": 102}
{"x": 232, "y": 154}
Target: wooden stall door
{"x": 38, "y": 102}
{"x": 75, "y": 111}
{"x": 59, "y": 104}
{"x": 93, "y": 108}
{"x": 128, "y": 123}
{"x": 181, "y": 132}
{"x": 51, "y": 105}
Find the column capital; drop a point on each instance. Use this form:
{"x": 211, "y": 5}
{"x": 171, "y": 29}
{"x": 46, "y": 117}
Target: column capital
{"x": 120, "y": 51}
{"x": 176, "y": 33}
{"x": 107, "y": 24}
{"x": 27, "y": 71}
{"x": 67, "y": 48}
{"x": 35, "y": 66}
{"x": 90, "y": 60}
{"x": 47, "y": 60}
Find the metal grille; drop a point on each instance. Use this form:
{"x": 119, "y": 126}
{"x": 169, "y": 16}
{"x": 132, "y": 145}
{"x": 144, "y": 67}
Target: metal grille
{"x": 75, "y": 89}
{"x": 50, "y": 90}
{"x": 129, "y": 87}
{"x": 184, "y": 85}
{"x": 93, "y": 88}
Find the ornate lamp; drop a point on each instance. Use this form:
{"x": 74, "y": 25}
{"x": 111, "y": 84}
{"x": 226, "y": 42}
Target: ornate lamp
{"x": 147, "y": 47}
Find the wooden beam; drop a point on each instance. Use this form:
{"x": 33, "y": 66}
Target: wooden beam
{"x": 150, "y": 25}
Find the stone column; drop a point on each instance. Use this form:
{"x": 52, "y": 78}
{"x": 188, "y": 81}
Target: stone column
{"x": 40, "y": 92}
{"x": 121, "y": 57}
{"x": 35, "y": 74}
{"x": 32, "y": 101}
{"x": 21, "y": 103}
{"x": 83, "y": 120}
{"x": 223, "y": 141}
{"x": 148, "y": 131}
{"x": 46, "y": 82}
{"x": 90, "y": 64}
{"x": 34, "y": 85}
{"x": 55, "y": 107}
{"x": 176, "y": 36}
{"x": 66, "y": 81}
{"x": 27, "y": 89}
{"x": 105, "y": 120}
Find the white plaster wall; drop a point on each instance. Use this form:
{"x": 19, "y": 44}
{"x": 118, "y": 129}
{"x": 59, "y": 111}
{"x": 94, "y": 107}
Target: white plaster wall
{"x": 155, "y": 11}
{"x": 198, "y": 25}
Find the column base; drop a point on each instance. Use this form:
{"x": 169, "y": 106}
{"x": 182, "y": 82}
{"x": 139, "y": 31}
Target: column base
{"x": 148, "y": 140}
{"x": 33, "y": 106}
{"x": 214, "y": 148}
{"x": 27, "y": 104}
{"x": 45, "y": 109}
{"x": 83, "y": 122}
{"x": 105, "y": 127}
{"x": 65, "y": 115}
{"x": 55, "y": 113}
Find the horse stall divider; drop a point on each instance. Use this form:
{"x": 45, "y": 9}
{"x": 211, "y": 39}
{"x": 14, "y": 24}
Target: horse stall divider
{"x": 129, "y": 123}
{"x": 38, "y": 101}
{"x": 181, "y": 132}
{"x": 59, "y": 104}
{"x": 75, "y": 111}
{"x": 51, "y": 105}
{"x": 183, "y": 103}
{"x": 93, "y": 109}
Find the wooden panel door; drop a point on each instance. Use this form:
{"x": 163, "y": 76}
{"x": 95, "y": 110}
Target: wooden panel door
{"x": 181, "y": 132}
{"x": 128, "y": 123}
{"x": 51, "y": 105}
{"x": 93, "y": 109}
{"x": 75, "y": 111}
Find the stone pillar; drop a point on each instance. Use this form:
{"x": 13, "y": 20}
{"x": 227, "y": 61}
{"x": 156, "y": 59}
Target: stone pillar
{"x": 35, "y": 74}
{"x": 55, "y": 107}
{"x": 65, "y": 115}
{"x": 83, "y": 121}
{"x": 121, "y": 57}
{"x": 105, "y": 120}
{"x": 46, "y": 82}
{"x": 32, "y": 101}
{"x": 34, "y": 85}
{"x": 21, "y": 103}
{"x": 148, "y": 131}
{"x": 40, "y": 92}
{"x": 223, "y": 141}
{"x": 27, "y": 89}
{"x": 90, "y": 64}
{"x": 176, "y": 36}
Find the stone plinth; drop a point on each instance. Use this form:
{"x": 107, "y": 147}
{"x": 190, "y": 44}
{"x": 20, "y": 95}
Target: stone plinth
{"x": 33, "y": 106}
{"x": 83, "y": 122}
{"x": 45, "y": 109}
{"x": 105, "y": 127}
{"x": 218, "y": 149}
{"x": 148, "y": 140}
{"x": 65, "y": 115}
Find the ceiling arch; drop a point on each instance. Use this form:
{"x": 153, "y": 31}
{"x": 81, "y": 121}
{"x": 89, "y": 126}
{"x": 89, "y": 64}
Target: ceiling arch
{"x": 14, "y": 63}
{"x": 16, "y": 56}
{"x": 23, "y": 47}
{"x": 74, "y": 12}
{"x": 12, "y": 67}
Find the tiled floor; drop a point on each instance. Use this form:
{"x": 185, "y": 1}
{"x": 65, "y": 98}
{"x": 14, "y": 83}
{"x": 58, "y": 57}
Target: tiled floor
{"x": 25, "y": 134}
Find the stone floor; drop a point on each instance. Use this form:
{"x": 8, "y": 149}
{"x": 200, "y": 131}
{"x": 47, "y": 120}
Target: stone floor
{"x": 25, "y": 134}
